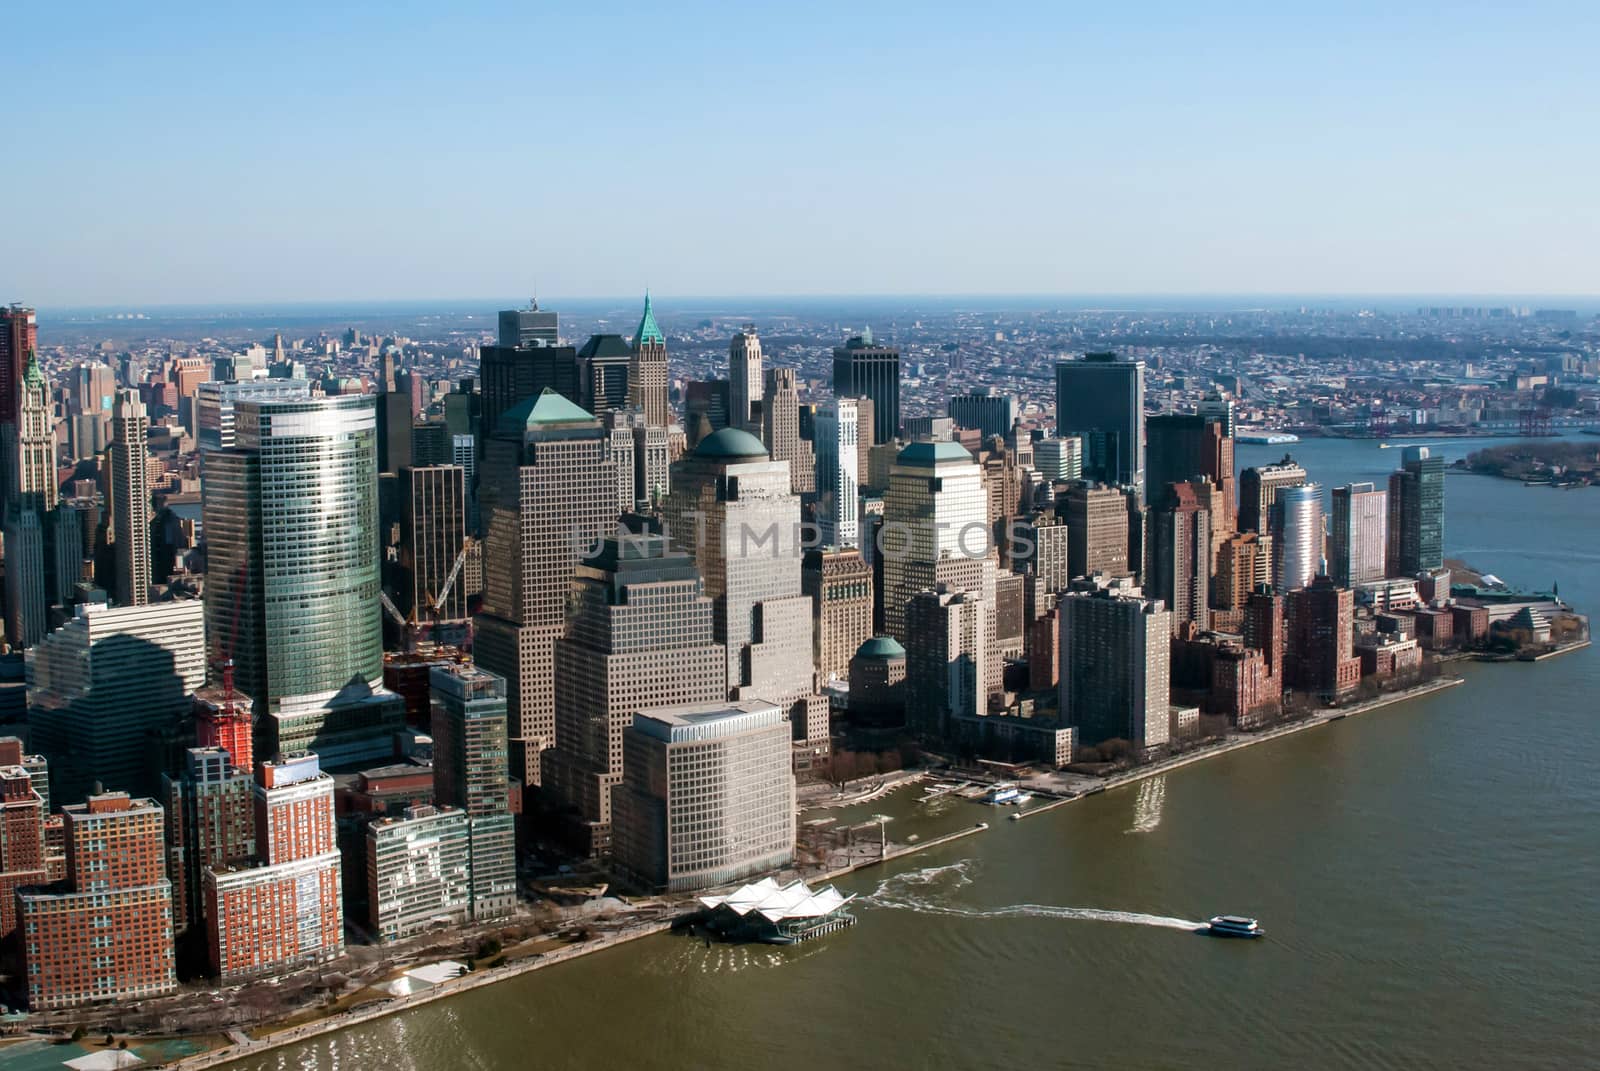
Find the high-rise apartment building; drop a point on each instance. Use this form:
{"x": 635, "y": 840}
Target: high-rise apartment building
{"x": 282, "y": 909}
{"x": 950, "y": 652}
{"x": 1416, "y": 513}
{"x": 1100, "y": 400}
{"x": 130, "y": 498}
{"x": 1258, "y": 489}
{"x": 471, "y": 774}
{"x": 1298, "y": 536}
{"x": 22, "y": 811}
{"x": 419, "y": 871}
{"x": 935, "y": 528}
{"x": 985, "y": 410}
{"x": 1098, "y": 533}
{"x": 708, "y": 795}
{"x": 1358, "y": 537}
{"x": 548, "y": 491}
{"x": 640, "y": 635}
{"x": 1115, "y": 664}
{"x": 839, "y": 582}
{"x": 102, "y": 685}
{"x": 1180, "y": 556}
{"x": 1059, "y": 459}
{"x": 211, "y": 822}
{"x": 861, "y": 368}
{"x": 647, "y": 371}
{"x": 780, "y": 429}
{"x": 105, "y": 934}
{"x": 291, "y": 521}
{"x": 745, "y": 382}
{"x": 1244, "y": 565}
{"x": 1319, "y": 656}
{"x": 839, "y": 451}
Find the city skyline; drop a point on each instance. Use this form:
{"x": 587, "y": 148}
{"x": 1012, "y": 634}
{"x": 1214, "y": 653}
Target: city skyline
{"x": 1248, "y": 151}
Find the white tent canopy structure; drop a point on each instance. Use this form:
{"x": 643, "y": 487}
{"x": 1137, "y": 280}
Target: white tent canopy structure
{"x": 779, "y": 914}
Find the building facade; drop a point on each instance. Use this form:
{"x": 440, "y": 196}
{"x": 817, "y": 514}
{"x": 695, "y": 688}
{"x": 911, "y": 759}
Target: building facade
{"x": 1100, "y": 400}
{"x": 1115, "y": 664}
{"x": 863, "y": 369}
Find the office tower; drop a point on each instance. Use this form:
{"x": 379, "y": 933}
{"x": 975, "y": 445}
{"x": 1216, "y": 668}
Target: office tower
{"x": 130, "y": 498}
{"x": 433, "y": 543}
{"x": 513, "y": 376}
{"x": 281, "y": 910}
{"x": 877, "y": 684}
{"x": 838, "y": 451}
{"x": 1115, "y": 664}
{"x": 745, "y": 381}
{"x": 211, "y": 822}
{"x": 732, "y": 509}
{"x": 548, "y": 491}
{"x": 640, "y": 634}
{"x": 1180, "y": 557}
{"x": 861, "y": 368}
{"x": 1416, "y": 514}
{"x": 936, "y": 528}
{"x": 647, "y": 370}
{"x": 1244, "y": 564}
{"x": 430, "y": 444}
{"x": 419, "y": 871}
{"x": 603, "y": 369}
{"x": 941, "y": 428}
{"x": 1297, "y": 536}
{"x": 1181, "y": 447}
{"x": 110, "y": 937}
{"x": 186, "y": 374}
{"x": 1100, "y": 399}
{"x": 1258, "y": 489}
{"x": 393, "y": 412}
{"x": 215, "y": 401}
{"x": 1218, "y": 407}
{"x": 19, "y": 338}
{"x": 1318, "y": 625}
{"x": 652, "y": 462}
{"x": 707, "y": 796}
{"x": 949, "y": 650}
{"x": 101, "y": 684}
{"x": 529, "y": 328}
{"x": 1042, "y": 552}
{"x": 840, "y": 585}
{"x": 1358, "y": 536}
{"x": 1059, "y": 459}
{"x": 27, "y": 603}
{"x": 30, "y": 444}
{"x": 866, "y": 428}
{"x": 780, "y": 429}
{"x": 22, "y": 811}
{"x": 705, "y": 408}
{"x": 984, "y": 410}
{"x": 291, "y": 522}
{"x": 470, "y": 773}
{"x": 1097, "y": 532}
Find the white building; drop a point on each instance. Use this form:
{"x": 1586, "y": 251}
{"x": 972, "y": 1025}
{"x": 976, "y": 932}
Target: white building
{"x": 838, "y": 468}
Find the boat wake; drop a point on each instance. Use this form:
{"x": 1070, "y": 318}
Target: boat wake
{"x": 926, "y": 891}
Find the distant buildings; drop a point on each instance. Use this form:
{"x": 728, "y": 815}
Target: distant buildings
{"x": 780, "y": 429}
{"x": 1100, "y": 399}
{"x": 528, "y": 328}
{"x": 985, "y": 410}
{"x": 1180, "y": 555}
{"x": 863, "y": 369}
{"x": 1115, "y": 664}
{"x": 708, "y": 795}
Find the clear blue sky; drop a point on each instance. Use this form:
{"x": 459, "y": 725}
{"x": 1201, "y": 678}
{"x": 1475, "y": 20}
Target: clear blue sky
{"x": 160, "y": 153}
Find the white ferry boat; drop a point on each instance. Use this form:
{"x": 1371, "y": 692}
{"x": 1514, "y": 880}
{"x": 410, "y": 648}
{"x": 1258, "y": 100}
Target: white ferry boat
{"x": 1235, "y": 926}
{"x": 1004, "y": 794}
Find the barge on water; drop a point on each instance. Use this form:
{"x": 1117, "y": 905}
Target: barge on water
{"x": 776, "y": 914}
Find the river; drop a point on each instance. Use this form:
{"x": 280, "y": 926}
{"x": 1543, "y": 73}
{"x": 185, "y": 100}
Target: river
{"x": 1427, "y": 874}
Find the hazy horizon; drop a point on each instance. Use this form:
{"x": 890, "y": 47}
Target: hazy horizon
{"x": 281, "y": 154}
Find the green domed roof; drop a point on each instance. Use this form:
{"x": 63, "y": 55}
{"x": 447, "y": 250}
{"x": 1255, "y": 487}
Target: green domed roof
{"x": 730, "y": 444}
{"x": 931, "y": 452}
{"x": 881, "y": 647}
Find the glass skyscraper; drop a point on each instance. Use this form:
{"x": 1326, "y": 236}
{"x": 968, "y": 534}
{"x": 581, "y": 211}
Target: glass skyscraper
{"x": 862, "y": 369}
{"x": 1100, "y": 399}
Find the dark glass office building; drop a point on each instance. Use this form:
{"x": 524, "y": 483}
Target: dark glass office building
{"x": 1101, "y": 400}
{"x": 861, "y": 368}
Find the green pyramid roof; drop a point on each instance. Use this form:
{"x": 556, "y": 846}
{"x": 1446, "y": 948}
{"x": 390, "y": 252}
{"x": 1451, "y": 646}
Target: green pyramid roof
{"x": 33, "y": 375}
{"x": 544, "y": 409}
{"x": 648, "y": 331}
{"x": 881, "y": 647}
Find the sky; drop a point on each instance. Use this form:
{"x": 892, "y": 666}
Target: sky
{"x": 176, "y": 154}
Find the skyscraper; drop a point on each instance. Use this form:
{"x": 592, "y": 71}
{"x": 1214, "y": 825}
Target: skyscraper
{"x": 603, "y": 371}
{"x": 647, "y": 370}
{"x": 1183, "y": 446}
{"x": 470, "y": 772}
{"x": 1180, "y": 555}
{"x": 27, "y": 442}
{"x": 19, "y": 338}
{"x": 30, "y": 443}
{"x": 838, "y": 446}
{"x": 511, "y": 376}
{"x": 840, "y": 585}
{"x": 1100, "y": 399}
{"x": 548, "y": 491}
{"x": 210, "y": 823}
{"x": 1115, "y": 664}
{"x": 745, "y": 381}
{"x": 861, "y": 368}
{"x": 1258, "y": 489}
{"x": 214, "y": 406}
{"x": 1416, "y": 513}
{"x": 1097, "y": 533}
{"x": 936, "y": 528}
{"x": 1319, "y": 636}
{"x": 1298, "y": 536}
{"x": 27, "y": 599}
{"x": 528, "y": 328}
{"x": 949, "y": 649}
{"x": 1358, "y": 537}
{"x": 984, "y": 410}
{"x": 101, "y": 684}
{"x": 433, "y": 537}
{"x": 640, "y": 634}
{"x": 291, "y": 520}
{"x": 1059, "y": 459}
{"x": 780, "y": 429}
{"x": 130, "y": 498}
